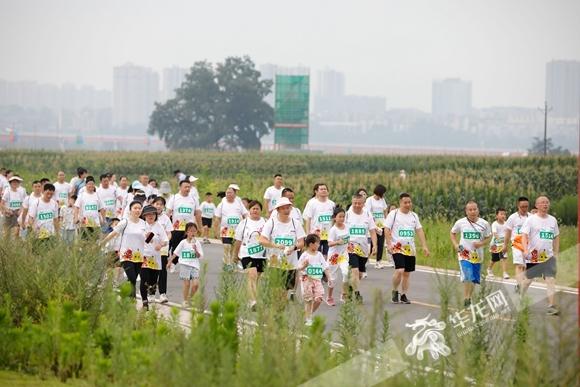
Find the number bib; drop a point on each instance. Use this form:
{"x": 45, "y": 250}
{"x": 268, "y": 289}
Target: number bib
{"x": 110, "y": 205}
{"x": 188, "y": 256}
{"x": 15, "y": 204}
{"x": 357, "y": 231}
{"x": 284, "y": 240}
{"x": 406, "y": 233}
{"x": 45, "y": 215}
{"x": 472, "y": 235}
{"x": 379, "y": 218}
{"x": 255, "y": 249}
{"x": 324, "y": 220}
{"x": 546, "y": 235}
{"x": 314, "y": 272}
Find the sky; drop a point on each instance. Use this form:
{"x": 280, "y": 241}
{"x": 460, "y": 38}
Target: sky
{"x": 385, "y": 48}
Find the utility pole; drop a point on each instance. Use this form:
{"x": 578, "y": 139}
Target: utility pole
{"x": 545, "y": 110}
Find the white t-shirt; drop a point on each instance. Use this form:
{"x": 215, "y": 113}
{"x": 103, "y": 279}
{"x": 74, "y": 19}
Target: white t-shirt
{"x": 358, "y": 226}
{"x": 108, "y": 198}
{"x": 541, "y": 233}
{"x": 89, "y": 206}
{"x": 183, "y": 208}
{"x": 320, "y": 215}
{"x": 470, "y": 233}
{"x": 295, "y": 214}
{"x": 30, "y": 200}
{"x": 66, "y": 215}
{"x": 207, "y": 210}
{"x": 514, "y": 223}
{"x": 338, "y": 254}
{"x": 287, "y": 234}
{"x": 188, "y": 253}
{"x": 377, "y": 209}
{"x": 248, "y": 232}
{"x": 14, "y": 200}
{"x": 231, "y": 215}
{"x": 316, "y": 264}
{"x": 61, "y": 192}
{"x": 498, "y": 237}
{"x": 121, "y": 200}
{"x": 132, "y": 242}
{"x": 272, "y": 195}
{"x": 153, "y": 257}
{"x": 165, "y": 222}
{"x": 44, "y": 215}
{"x": 403, "y": 227}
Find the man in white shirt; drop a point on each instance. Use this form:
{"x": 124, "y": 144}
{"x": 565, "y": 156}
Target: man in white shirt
{"x": 273, "y": 193}
{"x": 62, "y": 189}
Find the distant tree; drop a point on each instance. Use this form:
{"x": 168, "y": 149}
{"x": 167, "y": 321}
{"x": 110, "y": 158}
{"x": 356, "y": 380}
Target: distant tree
{"x": 217, "y": 107}
{"x": 538, "y": 148}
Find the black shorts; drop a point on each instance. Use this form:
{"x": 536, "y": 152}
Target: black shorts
{"x": 544, "y": 269}
{"x": 206, "y": 222}
{"x": 406, "y": 262}
{"x": 323, "y": 248}
{"x": 495, "y": 257}
{"x": 228, "y": 241}
{"x": 357, "y": 262}
{"x": 258, "y": 263}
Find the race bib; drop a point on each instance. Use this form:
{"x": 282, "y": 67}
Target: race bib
{"x": 15, "y": 204}
{"x": 255, "y": 249}
{"x": 188, "y": 255}
{"x": 233, "y": 220}
{"x": 379, "y": 218}
{"x": 184, "y": 210}
{"x": 324, "y": 218}
{"x": 208, "y": 211}
{"x": 357, "y": 231}
{"x": 546, "y": 235}
{"x": 518, "y": 230}
{"x": 91, "y": 207}
{"x": 406, "y": 233}
{"x": 314, "y": 272}
{"x": 45, "y": 215}
{"x": 286, "y": 241}
{"x": 471, "y": 235}
{"x": 62, "y": 197}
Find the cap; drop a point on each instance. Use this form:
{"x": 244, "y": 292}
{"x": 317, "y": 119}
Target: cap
{"x": 137, "y": 185}
{"x": 18, "y": 178}
{"x": 234, "y": 186}
{"x": 192, "y": 179}
{"x": 283, "y": 202}
{"x": 148, "y": 210}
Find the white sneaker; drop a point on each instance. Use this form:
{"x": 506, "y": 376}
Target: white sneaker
{"x": 489, "y": 273}
{"x": 364, "y": 275}
{"x": 378, "y": 265}
{"x": 163, "y": 299}
{"x": 138, "y": 278}
{"x": 506, "y": 275}
{"x": 308, "y": 322}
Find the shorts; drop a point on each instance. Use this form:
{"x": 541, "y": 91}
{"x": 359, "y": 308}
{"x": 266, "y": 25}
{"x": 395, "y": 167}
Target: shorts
{"x": 206, "y": 222}
{"x": 334, "y": 269}
{"x": 518, "y": 257}
{"x": 406, "y": 262}
{"x": 323, "y": 248}
{"x": 258, "y": 263}
{"x": 543, "y": 269}
{"x": 312, "y": 290}
{"x": 357, "y": 262}
{"x": 495, "y": 257}
{"x": 228, "y": 241}
{"x": 10, "y": 221}
{"x": 470, "y": 272}
{"x": 187, "y": 273}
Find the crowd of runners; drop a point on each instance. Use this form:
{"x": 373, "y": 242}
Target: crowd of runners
{"x": 148, "y": 231}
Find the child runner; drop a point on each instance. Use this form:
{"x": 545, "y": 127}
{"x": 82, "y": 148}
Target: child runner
{"x": 402, "y": 225}
{"x": 313, "y": 265}
{"x": 338, "y": 239}
{"x": 496, "y": 246}
{"x": 188, "y": 253}
{"x": 207, "y": 213}
{"x": 248, "y": 248}
{"x": 475, "y": 233}
{"x": 67, "y": 220}
{"x": 156, "y": 239}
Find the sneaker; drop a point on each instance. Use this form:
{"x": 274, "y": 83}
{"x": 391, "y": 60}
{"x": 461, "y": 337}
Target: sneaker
{"x": 506, "y": 275}
{"x": 404, "y": 299}
{"x": 489, "y": 273}
{"x": 467, "y": 303}
{"x": 364, "y": 275}
{"x": 378, "y": 265}
{"x": 240, "y": 267}
{"x": 163, "y": 299}
{"x": 552, "y": 311}
{"x": 330, "y": 301}
{"x": 308, "y": 322}
{"x": 138, "y": 278}
{"x": 206, "y": 241}
{"x": 185, "y": 304}
{"x": 395, "y": 297}
{"x": 358, "y": 297}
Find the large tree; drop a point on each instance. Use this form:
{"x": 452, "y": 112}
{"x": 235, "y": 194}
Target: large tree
{"x": 538, "y": 147}
{"x": 216, "y": 107}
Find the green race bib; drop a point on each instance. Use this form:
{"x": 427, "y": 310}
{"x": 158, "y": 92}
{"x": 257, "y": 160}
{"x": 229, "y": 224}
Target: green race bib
{"x": 233, "y": 221}
{"x": 187, "y": 254}
{"x": 91, "y": 207}
{"x": 255, "y": 249}
{"x": 357, "y": 231}
{"x": 406, "y": 233}
{"x": 286, "y": 241}
{"x": 549, "y": 235}
{"x": 110, "y": 202}
{"x": 378, "y": 215}
{"x": 15, "y": 204}
{"x": 184, "y": 210}
{"x": 324, "y": 218}
{"x": 45, "y": 215}
{"x": 208, "y": 211}
{"x": 471, "y": 235}
{"x": 314, "y": 272}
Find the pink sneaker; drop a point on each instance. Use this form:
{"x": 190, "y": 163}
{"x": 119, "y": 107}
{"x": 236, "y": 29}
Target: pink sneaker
{"x": 330, "y": 301}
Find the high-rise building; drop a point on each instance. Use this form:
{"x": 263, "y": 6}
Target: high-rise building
{"x": 451, "y": 97}
{"x": 563, "y": 88}
{"x": 135, "y": 90}
{"x": 173, "y": 77}
{"x": 329, "y": 84}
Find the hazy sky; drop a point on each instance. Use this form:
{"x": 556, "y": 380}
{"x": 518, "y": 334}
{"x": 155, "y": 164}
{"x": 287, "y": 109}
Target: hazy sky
{"x": 388, "y": 48}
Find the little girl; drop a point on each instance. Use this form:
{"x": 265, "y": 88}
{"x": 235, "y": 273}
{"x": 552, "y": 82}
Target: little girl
{"x": 313, "y": 265}
{"x": 338, "y": 238}
{"x": 188, "y": 252}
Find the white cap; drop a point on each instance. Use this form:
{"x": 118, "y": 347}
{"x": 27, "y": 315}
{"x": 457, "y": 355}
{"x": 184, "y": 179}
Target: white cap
{"x": 283, "y": 202}
{"x": 234, "y": 186}
{"x": 137, "y": 185}
{"x": 18, "y": 178}
{"x": 192, "y": 179}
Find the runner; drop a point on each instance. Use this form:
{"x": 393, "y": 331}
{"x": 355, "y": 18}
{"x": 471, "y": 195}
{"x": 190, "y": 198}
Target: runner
{"x": 132, "y": 243}
{"x": 313, "y": 266}
{"x": 66, "y": 219}
{"x": 31, "y": 200}
{"x": 43, "y": 215}
{"x": 249, "y": 250}
{"x": 318, "y": 216}
{"x": 377, "y": 206}
{"x": 402, "y": 225}
{"x": 89, "y": 212}
{"x": 165, "y": 222}
{"x": 182, "y": 209}
{"x": 207, "y": 214}
{"x": 475, "y": 233}
{"x": 11, "y": 203}
{"x": 153, "y": 187}
{"x": 188, "y": 253}
{"x": 283, "y": 237}
{"x": 144, "y": 180}
{"x": 338, "y": 238}
{"x": 295, "y": 214}
{"x": 273, "y": 193}
{"x": 108, "y": 196}
{"x": 496, "y": 247}
{"x": 229, "y": 214}
{"x": 541, "y": 242}
{"x": 359, "y": 223}
{"x": 62, "y": 189}
{"x": 513, "y": 233}
{"x": 156, "y": 239}
{"x": 78, "y": 181}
